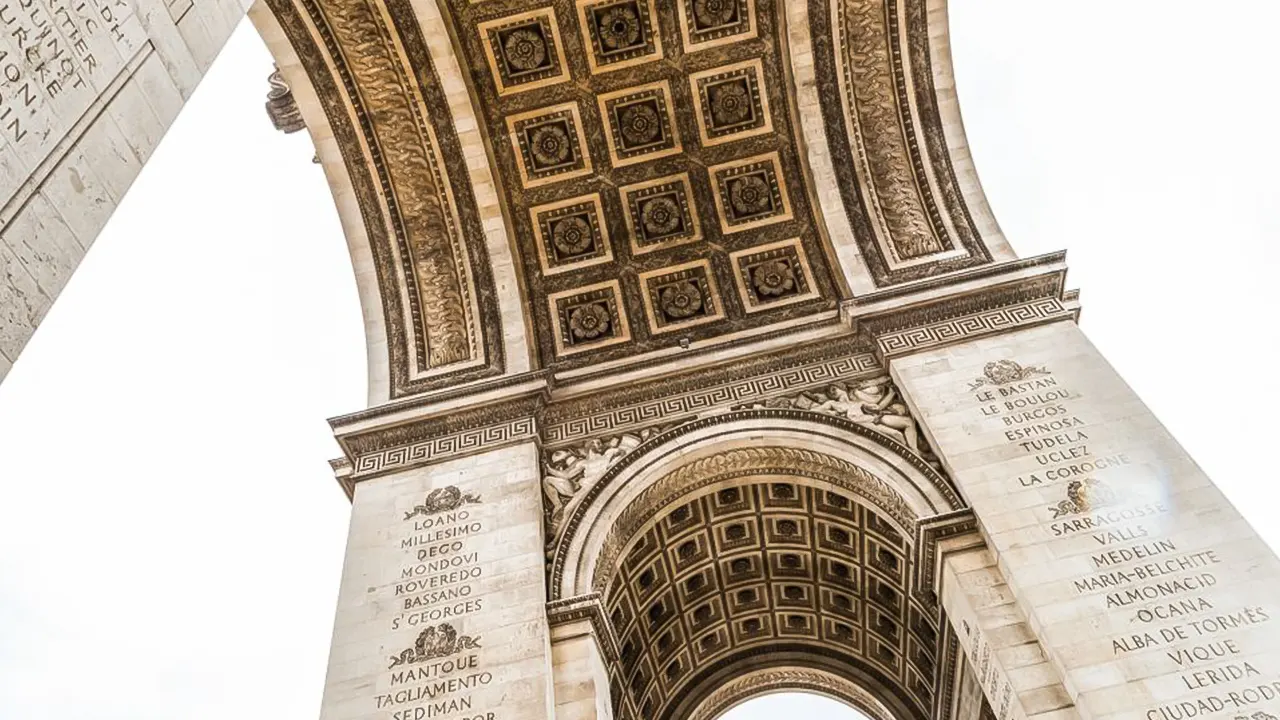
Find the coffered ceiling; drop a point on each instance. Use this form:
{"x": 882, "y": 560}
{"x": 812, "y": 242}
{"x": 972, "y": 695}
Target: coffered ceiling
{"x": 648, "y": 157}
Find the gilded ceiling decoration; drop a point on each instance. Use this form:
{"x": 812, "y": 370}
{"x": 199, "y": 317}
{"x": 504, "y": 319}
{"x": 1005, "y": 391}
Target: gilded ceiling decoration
{"x": 412, "y": 186}
{"x": 885, "y": 137}
{"x": 650, "y": 168}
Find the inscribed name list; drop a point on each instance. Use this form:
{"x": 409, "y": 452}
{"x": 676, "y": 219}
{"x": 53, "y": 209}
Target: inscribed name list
{"x": 57, "y": 57}
{"x": 1143, "y": 549}
{"x": 438, "y": 589}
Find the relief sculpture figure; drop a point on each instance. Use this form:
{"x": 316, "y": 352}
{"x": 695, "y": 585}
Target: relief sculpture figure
{"x": 873, "y": 404}
{"x": 568, "y": 470}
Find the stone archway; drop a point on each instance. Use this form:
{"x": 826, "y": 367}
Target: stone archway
{"x": 548, "y": 253}
{"x": 723, "y": 553}
{"x": 748, "y": 685}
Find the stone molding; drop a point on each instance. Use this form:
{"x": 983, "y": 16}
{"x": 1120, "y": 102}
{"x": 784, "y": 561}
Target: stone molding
{"x": 433, "y": 427}
{"x": 746, "y": 462}
{"x": 442, "y": 446}
{"x": 382, "y": 450}
{"x": 763, "y": 682}
{"x": 968, "y": 327}
{"x": 378, "y": 83}
{"x": 876, "y": 492}
{"x": 949, "y": 319}
{"x": 896, "y": 180}
{"x": 948, "y": 665}
{"x": 929, "y": 533}
{"x": 732, "y": 388}
{"x": 585, "y": 607}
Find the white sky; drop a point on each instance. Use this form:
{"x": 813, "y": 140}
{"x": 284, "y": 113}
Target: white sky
{"x": 172, "y": 536}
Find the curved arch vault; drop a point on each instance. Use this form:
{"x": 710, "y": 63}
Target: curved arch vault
{"x": 699, "y": 368}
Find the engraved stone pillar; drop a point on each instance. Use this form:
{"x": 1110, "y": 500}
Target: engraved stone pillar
{"x": 1149, "y": 594}
{"x": 1004, "y": 659}
{"x": 87, "y": 90}
{"x": 581, "y": 677}
{"x": 442, "y": 610}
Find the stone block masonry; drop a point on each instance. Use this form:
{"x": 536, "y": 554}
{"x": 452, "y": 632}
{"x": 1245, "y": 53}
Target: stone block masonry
{"x": 1147, "y": 590}
{"x": 442, "y": 611}
{"x": 87, "y": 90}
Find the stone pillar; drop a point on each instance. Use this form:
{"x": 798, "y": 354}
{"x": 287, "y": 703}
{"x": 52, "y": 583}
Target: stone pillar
{"x": 1148, "y": 592}
{"x": 1005, "y": 660}
{"x": 581, "y": 677}
{"x": 87, "y": 90}
{"x": 442, "y": 609}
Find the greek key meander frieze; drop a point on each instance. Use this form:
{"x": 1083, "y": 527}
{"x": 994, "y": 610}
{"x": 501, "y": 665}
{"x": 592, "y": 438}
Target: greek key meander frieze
{"x": 444, "y": 446}
{"x": 577, "y": 426}
{"x": 830, "y": 378}
{"x": 969, "y": 326}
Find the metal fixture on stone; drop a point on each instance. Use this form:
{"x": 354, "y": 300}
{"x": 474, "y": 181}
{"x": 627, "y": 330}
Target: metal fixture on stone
{"x": 282, "y": 108}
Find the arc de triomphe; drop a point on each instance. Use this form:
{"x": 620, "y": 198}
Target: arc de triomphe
{"x": 699, "y": 366}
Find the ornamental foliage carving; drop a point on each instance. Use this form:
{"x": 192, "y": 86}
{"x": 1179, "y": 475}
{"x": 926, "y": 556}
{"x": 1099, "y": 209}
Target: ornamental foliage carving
{"x": 445, "y": 499}
{"x": 383, "y": 99}
{"x": 888, "y": 149}
{"x": 435, "y": 642}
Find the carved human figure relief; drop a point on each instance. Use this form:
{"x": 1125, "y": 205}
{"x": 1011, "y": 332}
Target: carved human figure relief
{"x": 872, "y": 403}
{"x": 567, "y": 471}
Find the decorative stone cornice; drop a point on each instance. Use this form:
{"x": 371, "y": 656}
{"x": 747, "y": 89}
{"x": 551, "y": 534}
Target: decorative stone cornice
{"x": 570, "y": 414}
{"x": 744, "y": 687}
{"x": 949, "y": 318}
{"x": 585, "y": 607}
{"x": 380, "y": 449}
{"x": 929, "y": 533}
{"x": 694, "y": 391}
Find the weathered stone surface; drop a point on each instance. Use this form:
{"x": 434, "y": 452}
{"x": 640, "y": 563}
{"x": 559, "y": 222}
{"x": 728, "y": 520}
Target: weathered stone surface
{"x": 87, "y": 91}
{"x": 1149, "y": 593}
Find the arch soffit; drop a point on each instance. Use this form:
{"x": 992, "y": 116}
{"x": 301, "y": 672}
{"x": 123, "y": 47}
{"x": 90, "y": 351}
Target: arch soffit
{"x": 421, "y": 208}
{"x": 387, "y": 107}
{"x": 751, "y": 445}
{"x": 751, "y": 685}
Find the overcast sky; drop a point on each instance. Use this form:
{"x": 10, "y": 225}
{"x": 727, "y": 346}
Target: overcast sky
{"x": 172, "y": 536}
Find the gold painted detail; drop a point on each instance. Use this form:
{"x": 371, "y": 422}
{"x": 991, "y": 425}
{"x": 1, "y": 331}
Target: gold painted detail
{"x": 419, "y": 183}
{"x": 882, "y": 146}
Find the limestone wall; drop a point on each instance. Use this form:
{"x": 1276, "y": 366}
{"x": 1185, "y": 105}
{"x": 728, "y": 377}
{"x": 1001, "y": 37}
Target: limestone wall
{"x": 442, "y": 611}
{"x": 1149, "y": 593}
{"x": 87, "y": 90}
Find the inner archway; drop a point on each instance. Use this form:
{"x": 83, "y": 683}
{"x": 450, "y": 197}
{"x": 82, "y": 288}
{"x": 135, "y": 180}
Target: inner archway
{"x": 766, "y": 583}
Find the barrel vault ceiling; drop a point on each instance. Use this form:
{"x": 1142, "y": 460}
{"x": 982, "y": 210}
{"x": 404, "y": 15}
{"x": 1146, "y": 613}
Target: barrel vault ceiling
{"x": 653, "y": 173}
